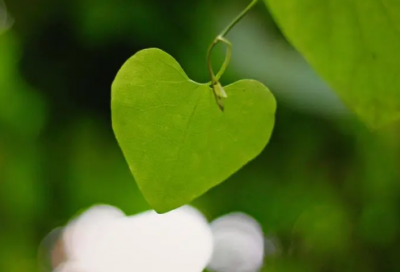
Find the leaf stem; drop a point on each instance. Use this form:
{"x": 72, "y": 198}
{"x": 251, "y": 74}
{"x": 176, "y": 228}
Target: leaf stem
{"x": 215, "y": 78}
{"x": 218, "y": 90}
{"x": 238, "y": 18}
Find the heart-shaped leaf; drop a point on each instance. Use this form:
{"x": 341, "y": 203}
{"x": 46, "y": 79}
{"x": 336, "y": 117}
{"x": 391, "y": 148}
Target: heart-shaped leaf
{"x": 176, "y": 140}
{"x": 354, "y": 45}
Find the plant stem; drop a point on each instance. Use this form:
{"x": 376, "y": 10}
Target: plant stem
{"x": 238, "y": 18}
{"x": 215, "y": 78}
{"x": 221, "y": 38}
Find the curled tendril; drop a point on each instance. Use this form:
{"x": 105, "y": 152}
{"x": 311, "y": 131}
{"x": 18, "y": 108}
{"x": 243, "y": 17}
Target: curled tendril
{"x": 218, "y": 90}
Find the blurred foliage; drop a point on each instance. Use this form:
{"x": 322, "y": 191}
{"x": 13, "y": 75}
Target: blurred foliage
{"x": 325, "y": 186}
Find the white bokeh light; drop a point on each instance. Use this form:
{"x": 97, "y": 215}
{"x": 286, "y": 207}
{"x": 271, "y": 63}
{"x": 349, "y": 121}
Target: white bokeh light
{"x": 238, "y": 244}
{"x": 102, "y": 240}
{"x": 51, "y": 250}
{"x": 71, "y": 267}
{"x": 83, "y": 231}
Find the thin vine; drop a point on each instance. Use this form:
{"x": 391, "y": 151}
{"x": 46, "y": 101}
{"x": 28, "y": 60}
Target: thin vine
{"x": 219, "y": 91}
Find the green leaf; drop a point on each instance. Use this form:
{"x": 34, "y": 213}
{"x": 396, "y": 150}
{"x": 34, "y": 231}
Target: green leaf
{"x": 354, "y": 45}
{"x": 176, "y": 140}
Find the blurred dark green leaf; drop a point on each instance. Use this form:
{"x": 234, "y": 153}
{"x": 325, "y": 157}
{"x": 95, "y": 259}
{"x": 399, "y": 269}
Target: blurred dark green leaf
{"x": 353, "y": 45}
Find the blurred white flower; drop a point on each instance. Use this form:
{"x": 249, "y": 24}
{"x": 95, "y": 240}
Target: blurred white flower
{"x": 103, "y": 240}
{"x": 71, "y": 267}
{"x": 51, "y": 251}
{"x": 82, "y": 232}
{"x": 238, "y": 244}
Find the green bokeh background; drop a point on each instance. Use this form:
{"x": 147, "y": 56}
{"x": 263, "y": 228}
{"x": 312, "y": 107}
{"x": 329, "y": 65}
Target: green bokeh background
{"x": 325, "y": 186}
